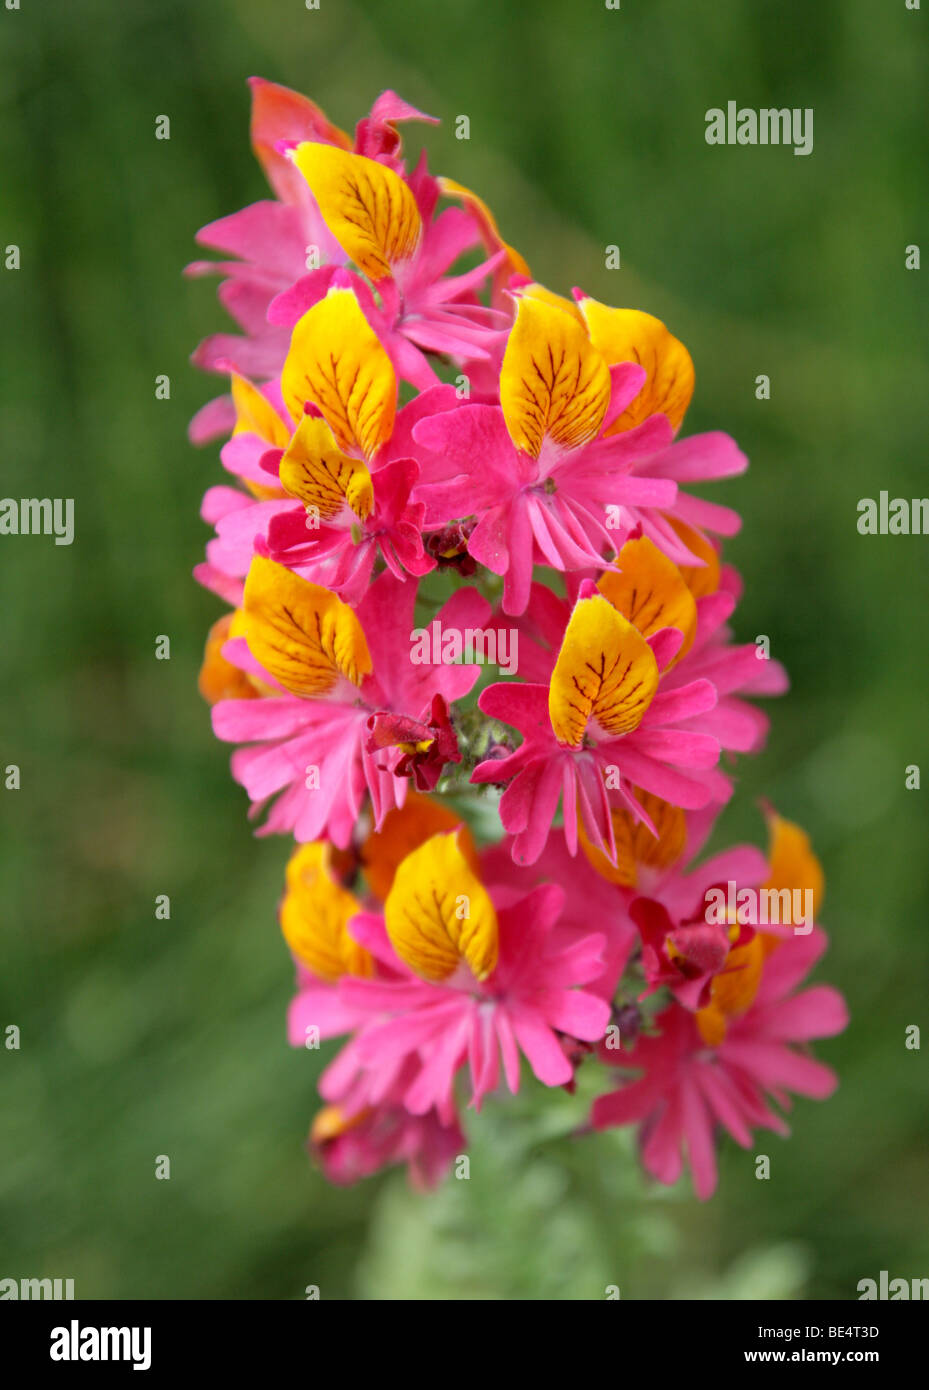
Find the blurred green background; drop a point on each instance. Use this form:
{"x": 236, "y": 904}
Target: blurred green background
{"x": 144, "y": 1037}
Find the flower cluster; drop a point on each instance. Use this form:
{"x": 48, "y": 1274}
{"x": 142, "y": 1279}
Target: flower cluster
{"x": 467, "y": 586}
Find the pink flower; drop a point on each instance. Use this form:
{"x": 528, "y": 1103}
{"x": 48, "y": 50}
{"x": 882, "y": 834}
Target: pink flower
{"x": 271, "y": 240}
{"x": 697, "y": 922}
{"x": 602, "y": 725}
{"x": 735, "y": 671}
{"x": 641, "y": 619}
{"x": 688, "y": 1087}
{"x": 429, "y": 312}
{"x": 557, "y": 484}
{"x": 329, "y": 468}
{"x": 682, "y": 947}
{"x": 353, "y": 1140}
{"x": 311, "y": 750}
{"x": 341, "y": 552}
{"x": 477, "y": 990}
{"x": 386, "y": 223}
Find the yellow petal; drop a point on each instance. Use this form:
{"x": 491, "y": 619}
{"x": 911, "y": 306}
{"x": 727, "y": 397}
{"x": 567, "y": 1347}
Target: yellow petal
{"x": 605, "y": 671}
{"x": 650, "y": 591}
{"x": 238, "y": 627}
{"x": 438, "y": 912}
{"x": 367, "y": 207}
{"x": 256, "y": 415}
{"x": 303, "y": 635}
{"x": 315, "y": 470}
{"x": 336, "y": 361}
{"x": 536, "y": 290}
{"x": 490, "y": 233}
{"x": 315, "y": 914}
{"x": 792, "y": 861}
{"x": 700, "y": 579}
{"x": 636, "y": 846}
{"x": 403, "y": 830}
{"x": 553, "y": 383}
{"x": 626, "y": 335}
{"x": 307, "y": 861}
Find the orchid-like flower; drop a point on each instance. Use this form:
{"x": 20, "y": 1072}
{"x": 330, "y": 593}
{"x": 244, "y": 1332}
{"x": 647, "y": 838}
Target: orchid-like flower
{"x": 352, "y": 1143}
{"x": 650, "y": 590}
{"x": 566, "y": 467}
{"x": 329, "y": 670}
{"x": 355, "y": 1138}
{"x": 275, "y": 242}
{"x": 483, "y": 978}
{"x": 349, "y": 461}
{"x": 694, "y": 1081}
{"x": 326, "y": 459}
{"x": 608, "y": 718}
{"x": 386, "y": 226}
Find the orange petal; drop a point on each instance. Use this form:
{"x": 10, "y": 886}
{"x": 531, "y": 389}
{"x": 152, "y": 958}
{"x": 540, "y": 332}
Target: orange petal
{"x": 315, "y": 914}
{"x": 367, "y": 207}
{"x": 281, "y": 114}
{"x": 636, "y": 846}
{"x": 712, "y": 1024}
{"x": 605, "y": 671}
{"x": 303, "y": 635}
{"x": 315, "y": 470}
{"x": 553, "y": 383}
{"x": 404, "y": 829}
{"x": 649, "y": 590}
{"x": 700, "y": 579}
{"x": 627, "y": 335}
{"x": 330, "y": 1122}
{"x": 337, "y": 362}
{"x": 792, "y": 861}
{"x": 438, "y": 913}
{"x": 487, "y": 224}
{"x": 219, "y": 679}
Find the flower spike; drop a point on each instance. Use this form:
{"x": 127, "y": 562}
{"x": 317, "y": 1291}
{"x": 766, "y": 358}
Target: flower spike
{"x": 479, "y": 666}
